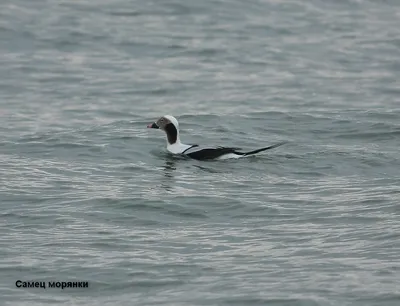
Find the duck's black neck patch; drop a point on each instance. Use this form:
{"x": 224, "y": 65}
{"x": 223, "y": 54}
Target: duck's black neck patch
{"x": 172, "y": 133}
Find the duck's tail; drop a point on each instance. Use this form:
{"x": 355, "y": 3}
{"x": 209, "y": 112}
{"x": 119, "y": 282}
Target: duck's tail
{"x": 263, "y": 149}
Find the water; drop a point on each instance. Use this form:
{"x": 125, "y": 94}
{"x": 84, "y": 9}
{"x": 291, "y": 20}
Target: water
{"x": 88, "y": 193}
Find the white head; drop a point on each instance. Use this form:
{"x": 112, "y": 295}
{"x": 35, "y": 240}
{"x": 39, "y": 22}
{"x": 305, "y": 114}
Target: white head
{"x": 170, "y": 126}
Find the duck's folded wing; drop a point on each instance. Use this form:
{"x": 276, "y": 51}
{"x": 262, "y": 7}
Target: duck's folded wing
{"x": 204, "y": 153}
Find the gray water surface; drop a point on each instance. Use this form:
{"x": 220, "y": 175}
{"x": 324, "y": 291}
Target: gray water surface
{"x": 87, "y": 193}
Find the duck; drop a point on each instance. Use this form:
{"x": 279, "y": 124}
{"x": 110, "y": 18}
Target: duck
{"x": 169, "y": 124}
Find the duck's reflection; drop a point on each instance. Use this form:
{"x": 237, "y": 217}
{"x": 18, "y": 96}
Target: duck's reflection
{"x": 206, "y": 169}
{"x": 169, "y": 168}
{"x": 168, "y": 179}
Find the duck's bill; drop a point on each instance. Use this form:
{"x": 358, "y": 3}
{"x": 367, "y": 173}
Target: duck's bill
{"x": 153, "y": 126}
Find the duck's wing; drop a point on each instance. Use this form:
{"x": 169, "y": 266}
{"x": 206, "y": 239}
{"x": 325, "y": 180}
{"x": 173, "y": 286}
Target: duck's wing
{"x": 207, "y": 153}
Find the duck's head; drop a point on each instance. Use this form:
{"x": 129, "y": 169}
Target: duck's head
{"x": 169, "y": 125}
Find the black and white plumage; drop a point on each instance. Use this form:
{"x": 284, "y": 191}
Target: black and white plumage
{"x": 170, "y": 125}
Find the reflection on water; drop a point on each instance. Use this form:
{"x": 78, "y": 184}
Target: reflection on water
{"x": 169, "y": 167}
{"x": 168, "y": 179}
{"x": 207, "y": 169}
